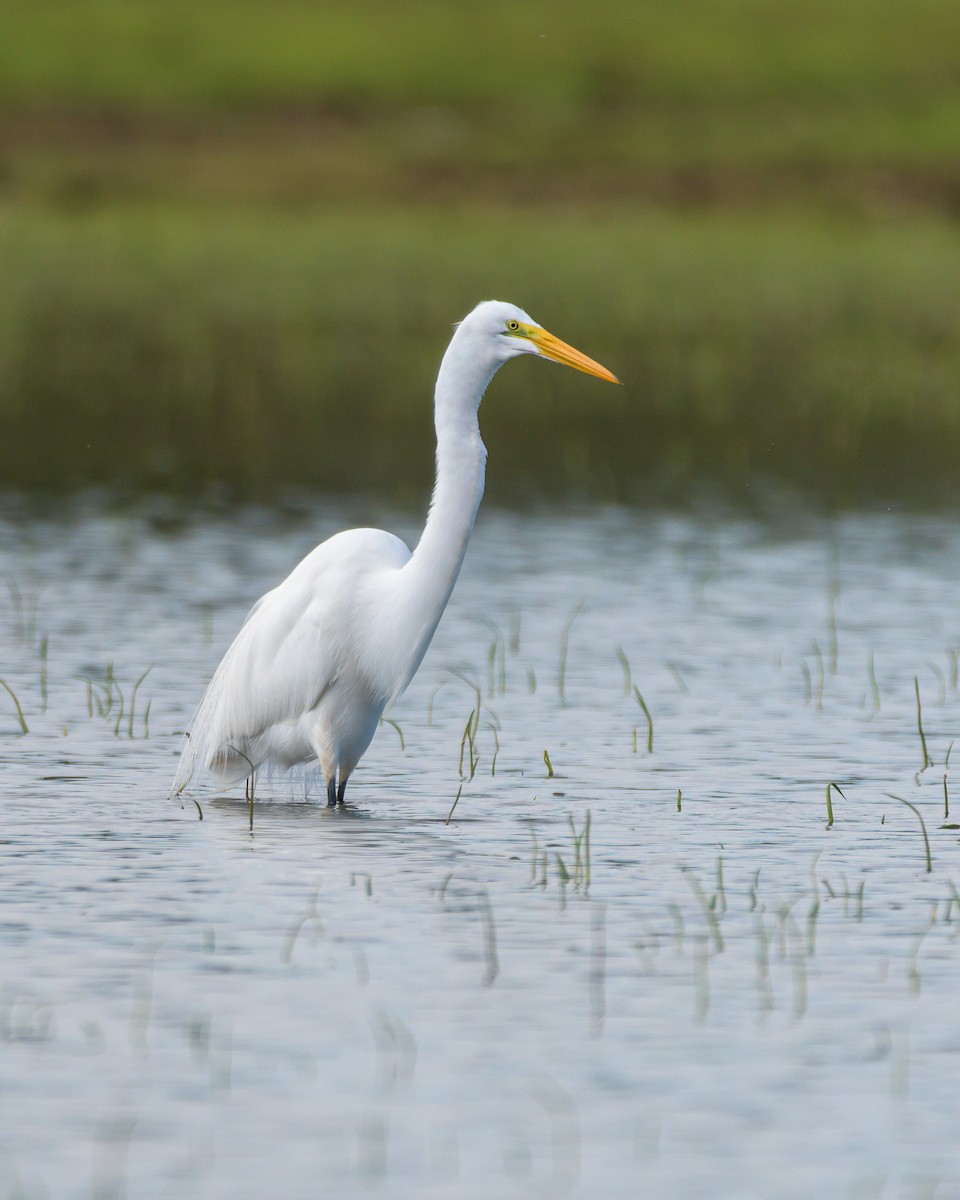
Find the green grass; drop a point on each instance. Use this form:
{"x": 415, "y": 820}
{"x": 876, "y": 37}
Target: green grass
{"x": 233, "y": 237}
{"x": 162, "y": 348}
{"x": 728, "y": 52}
{"x": 291, "y": 101}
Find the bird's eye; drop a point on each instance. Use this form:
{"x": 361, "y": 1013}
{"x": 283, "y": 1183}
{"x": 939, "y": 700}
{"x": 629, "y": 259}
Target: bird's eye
{"x": 513, "y": 326}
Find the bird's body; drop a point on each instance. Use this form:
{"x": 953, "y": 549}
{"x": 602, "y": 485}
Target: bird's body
{"x": 318, "y": 658}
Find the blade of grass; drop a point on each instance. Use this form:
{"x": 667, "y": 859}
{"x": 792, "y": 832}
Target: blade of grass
{"x": 927, "y": 760}
{"x": 646, "y": 712}
{"x": 389, "y": 721}
{"x": 829, "y": 805}
{"x": 564, "y": 647}
{"x": 133, "y": 699}
{"x": 13, "y": 697}
{"x": 923, "y": 828}
{"x": 625, "y": 663}
{"x": 456, "y": 801}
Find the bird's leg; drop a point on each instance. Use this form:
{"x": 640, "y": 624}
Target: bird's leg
{"x": 332, "y": 790}
{"x": 340, "y": 790}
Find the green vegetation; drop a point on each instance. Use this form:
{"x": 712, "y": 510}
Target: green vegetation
{"x": 13, "y": 696}
{"x": 169, "y": 348}
{"x": 233, "y": 237}
{"x": 436, "y": 92}
{"x": 224, "y": 52}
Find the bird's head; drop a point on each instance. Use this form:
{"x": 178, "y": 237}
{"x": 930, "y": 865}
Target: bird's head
{"x": 512, "y": 332}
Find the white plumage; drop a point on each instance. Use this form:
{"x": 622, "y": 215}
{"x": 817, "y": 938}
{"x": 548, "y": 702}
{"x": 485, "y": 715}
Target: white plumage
{"x": 318, "y": 658}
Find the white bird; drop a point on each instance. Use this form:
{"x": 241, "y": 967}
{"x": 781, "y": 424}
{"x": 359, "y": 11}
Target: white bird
{"x": 318, "y": 658}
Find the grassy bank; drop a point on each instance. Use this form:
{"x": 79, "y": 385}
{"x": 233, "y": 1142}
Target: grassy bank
{"x": 154, "y": 347}
{"x": 352, "y": 53}
{"x": 292, "y": 102}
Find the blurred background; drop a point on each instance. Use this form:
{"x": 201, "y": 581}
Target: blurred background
{"x": 234, "y": 236}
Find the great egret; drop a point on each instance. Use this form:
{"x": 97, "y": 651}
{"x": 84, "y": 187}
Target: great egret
{"x": 318, "y": 659}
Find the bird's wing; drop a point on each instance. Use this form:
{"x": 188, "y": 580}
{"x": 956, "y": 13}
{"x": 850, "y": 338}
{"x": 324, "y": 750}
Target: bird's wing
{"x": 288, "y": 652}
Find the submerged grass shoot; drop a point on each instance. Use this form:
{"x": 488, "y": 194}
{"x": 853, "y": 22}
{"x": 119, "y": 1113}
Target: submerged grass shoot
{"x": 468, "y": 744}
{"x": 581, "y": 853}
{"x": 923, "y": 828}
{"x": 496, "y": 658}
{"x": 489, "y": 939}
{"x": 394, "y": 725}
{"x": 646, "y": 712}
{"x": 874, "y": 686}
{"x": 456, "y": 801}
{"x": 764, "y": 984}
{"x": 708, "y": 910}
{"x": 564, "y": 648}
{"x": 941, "y": 682}
{"x": 833, "y": 641}
{"x": 13, "y": 696}
{"x": 494, "y": 727}
{"x": 44, "y": 649}
{"x": 821, "y": 675}
{"x": 625, "y": 664}
{"x": 927, "y": 760}
{"x": 678, "y": 677}
{"x": 832, "y": 787}
{"x": 133, "y": 700}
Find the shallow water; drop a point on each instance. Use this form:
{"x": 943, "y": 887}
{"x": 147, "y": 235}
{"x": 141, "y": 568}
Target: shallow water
{"x": 735, "y": 1001}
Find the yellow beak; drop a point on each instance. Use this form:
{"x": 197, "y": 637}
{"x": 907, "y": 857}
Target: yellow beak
{"x": 551, "y": 347}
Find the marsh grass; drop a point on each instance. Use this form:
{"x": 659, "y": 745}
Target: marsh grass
{"x": 833, "y": 640}
{"x": 832, "y": 787}
{"x": 564, "y": 650}
{"x": 491, "y": 960}
{"x": 627, "y": 675}
{"x": 807, "y": 682}
{"x": 581, "y": 853}
{"x": 874, "y": 686}
{"x": 821, "y": 678}
{"x": 496, "y": 658}
{"x": 249, "y": 789}
{"x": 290, "y": 102}
{"x": 311, "y": 918}
{"x": 106, "y": 699}
{"x": 24, "y": 607}
{"x": 468, "y": 745}
{"x": 494, "y": 727}
{"x": 678, "y": 678}
{"x": 44, "y": 653}
{"x": 158, "y": 348}
{"x": 764, "y": 984}
{"x": 646, "y": 712}
{"x": 133, "y": 705}
{"x": 578, "y": 875}
{"x": 927, "y": 760}
{"x": 709, "y": 909}
{"x": 923, "y": 828}
{"x": 941, "y": 682}
{"x": 13, "y": 696}
{"x": 396, "y": 726}
{"x": 598, "y": 966}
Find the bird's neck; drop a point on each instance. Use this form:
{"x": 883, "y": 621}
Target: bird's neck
{"x": 461, "y": 464}
{"x": 461, "y": 461}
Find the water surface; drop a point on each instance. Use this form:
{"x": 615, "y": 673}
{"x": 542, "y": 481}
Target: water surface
{"x": 733, "y": 1000}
